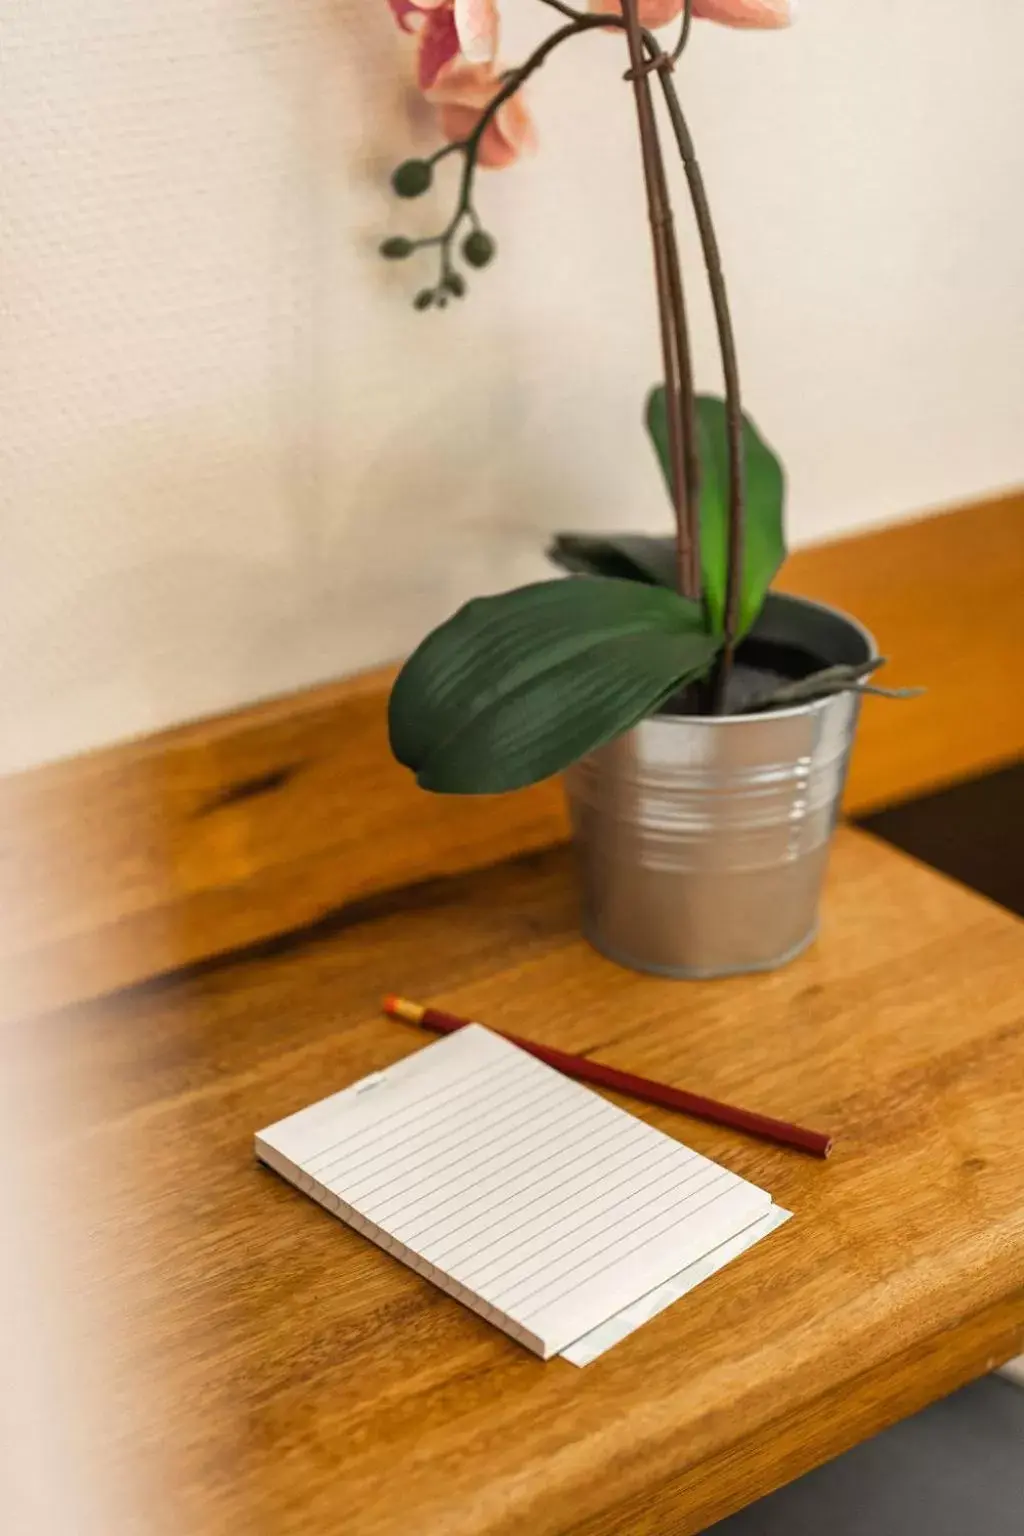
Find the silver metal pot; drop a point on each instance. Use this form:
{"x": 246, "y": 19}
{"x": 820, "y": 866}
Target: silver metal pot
{"x": 702, "y": 842}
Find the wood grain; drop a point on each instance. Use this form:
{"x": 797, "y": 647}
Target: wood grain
{"x": 233, "y": 1359}
{"x": 942, "y": 597}
{"x": 214, "y": 836}
{"x": 202, "y": 924}
{"x": 834, "y": 1422}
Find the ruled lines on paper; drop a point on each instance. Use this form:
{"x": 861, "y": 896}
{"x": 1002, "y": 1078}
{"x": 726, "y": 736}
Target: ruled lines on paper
{"x": 527, "y": 1196}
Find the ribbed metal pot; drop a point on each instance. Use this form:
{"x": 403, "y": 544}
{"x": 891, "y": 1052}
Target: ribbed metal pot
{"x": 702, "y": 842}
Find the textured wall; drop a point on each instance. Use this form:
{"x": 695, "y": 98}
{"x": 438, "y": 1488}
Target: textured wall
{"x": 233, "y": 461}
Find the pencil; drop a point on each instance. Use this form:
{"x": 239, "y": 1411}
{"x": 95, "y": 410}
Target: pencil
{"x": 587, "y": 1071}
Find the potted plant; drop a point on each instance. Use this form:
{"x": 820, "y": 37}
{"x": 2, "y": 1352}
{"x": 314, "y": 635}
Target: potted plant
{"x": 703, "y": 723}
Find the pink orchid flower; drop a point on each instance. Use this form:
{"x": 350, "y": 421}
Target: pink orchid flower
{"x": 461, "y": 93}
{"x": 447, "y": 28}
{"x": 732, "y": 13}
{"x": 457, "y": 44}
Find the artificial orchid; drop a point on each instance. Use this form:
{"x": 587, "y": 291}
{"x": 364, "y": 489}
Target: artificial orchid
{"x": 483, "y": 119}
{"x": 457, "y": 716}
{"x": 457, "y": 43}
{"x": 468, "y": 29}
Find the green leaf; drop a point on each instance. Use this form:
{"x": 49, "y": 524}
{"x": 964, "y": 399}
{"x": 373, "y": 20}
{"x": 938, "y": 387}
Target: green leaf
{"x": 630, "y": 556}
{"x": 764, "y": 542}
{"x": 514, "y": 688}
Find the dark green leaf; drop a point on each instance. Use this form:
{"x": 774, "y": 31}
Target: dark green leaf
{"x": 629, "y": 556}
{"x": 764, "y": 543}
{"x": 516, "y": 687}
{"x": 567, "y": 711}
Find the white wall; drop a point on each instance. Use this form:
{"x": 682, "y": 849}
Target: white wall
{"x": 233, "y": 460}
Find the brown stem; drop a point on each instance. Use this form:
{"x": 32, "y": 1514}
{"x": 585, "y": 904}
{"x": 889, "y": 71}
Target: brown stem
{"x": 730, "y": 369}
{"x": 688, "y": 414}
{"x": 684, "y": 31}
{"x": 683, "y": 455}
{"x": 723, "y": 320}
{"x": 680, "y": 410}
{"x": 469, "y": 146}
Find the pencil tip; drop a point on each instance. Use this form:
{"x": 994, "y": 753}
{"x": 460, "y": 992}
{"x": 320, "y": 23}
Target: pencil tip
{"x": 402, "y": 1008}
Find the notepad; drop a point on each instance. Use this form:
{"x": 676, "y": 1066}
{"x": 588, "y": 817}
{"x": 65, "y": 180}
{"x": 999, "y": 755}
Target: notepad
{"x": 521, "y": 1193}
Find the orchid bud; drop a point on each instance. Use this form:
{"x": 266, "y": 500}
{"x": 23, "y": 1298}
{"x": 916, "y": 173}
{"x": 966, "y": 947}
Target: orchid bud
{"x": 412, "y": 178}
{"x": 478, "y": 248}
{"x": 397, "y": 248}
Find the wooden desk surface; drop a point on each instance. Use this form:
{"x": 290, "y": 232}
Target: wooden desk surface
{"x": 141, "y": 858}
{"x": 232, "y": 1359}
{"x": 190, "y": 1346}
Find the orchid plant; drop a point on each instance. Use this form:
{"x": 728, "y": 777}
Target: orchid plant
{"x": 516, "y": 687}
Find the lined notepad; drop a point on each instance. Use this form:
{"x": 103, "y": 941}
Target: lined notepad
{"x": 521, "y": 1193}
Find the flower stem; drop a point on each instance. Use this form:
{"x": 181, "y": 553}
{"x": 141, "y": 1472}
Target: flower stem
{"x": 469, "y": 147}
{"x": 730, "y": 370}
{"x": 681, "y": 413}
{"x": 684, "y": 32}
{"x": 646, "y": 57}
{"x": 662, "y": 63}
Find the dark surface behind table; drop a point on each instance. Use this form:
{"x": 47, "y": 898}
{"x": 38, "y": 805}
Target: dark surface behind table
{"x": 959, "y": 1466}
{"x": 973, "y": 831}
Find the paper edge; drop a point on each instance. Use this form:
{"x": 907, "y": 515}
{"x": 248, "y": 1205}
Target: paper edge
{"x": 618, "y": 1327}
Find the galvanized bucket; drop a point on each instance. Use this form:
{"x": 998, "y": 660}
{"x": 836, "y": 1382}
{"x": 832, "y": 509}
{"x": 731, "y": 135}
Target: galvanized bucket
{"x": 702, "y": 842}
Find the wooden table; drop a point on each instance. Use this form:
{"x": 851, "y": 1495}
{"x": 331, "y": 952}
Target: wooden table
{"x": 192, "y": 1347}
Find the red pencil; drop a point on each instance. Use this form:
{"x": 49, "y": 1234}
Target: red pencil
{"x": 587, "y": 1071}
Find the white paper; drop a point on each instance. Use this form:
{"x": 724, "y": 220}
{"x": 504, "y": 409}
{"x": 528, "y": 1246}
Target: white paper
{"x": 601, "y": 1338}
{"x": 525, "y": 1195}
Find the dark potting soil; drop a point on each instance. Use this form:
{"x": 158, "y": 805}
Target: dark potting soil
{"x": 760, "y": 667}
